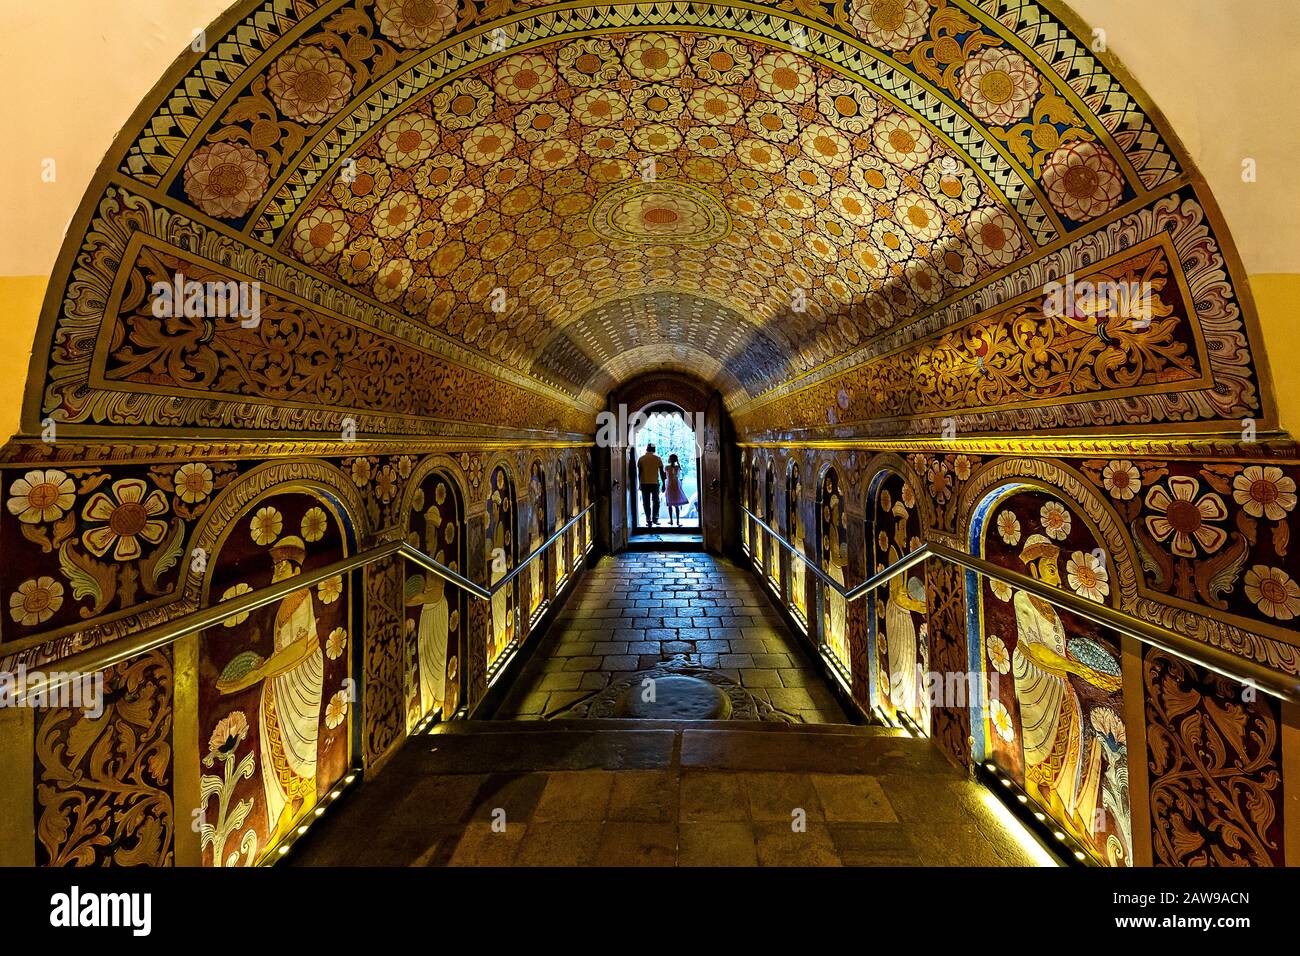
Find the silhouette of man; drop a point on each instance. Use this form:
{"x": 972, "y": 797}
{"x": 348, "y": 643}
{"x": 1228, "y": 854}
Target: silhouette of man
{"x": 651, "y": 474}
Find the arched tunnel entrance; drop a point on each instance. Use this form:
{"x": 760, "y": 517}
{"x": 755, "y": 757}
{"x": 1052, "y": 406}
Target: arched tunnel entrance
{"x": 343, "y": 378}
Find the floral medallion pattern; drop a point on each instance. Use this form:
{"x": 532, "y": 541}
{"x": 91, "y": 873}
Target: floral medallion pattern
{"x": 464, "y": 199}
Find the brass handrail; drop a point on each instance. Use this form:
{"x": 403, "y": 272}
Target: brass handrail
{"x": 539, "y": 550}
{"x": 1211, "y": 658}
{"x": 415, "y": 556}
{"x": 167, "y": 632}
{"x": 883, "y": 576}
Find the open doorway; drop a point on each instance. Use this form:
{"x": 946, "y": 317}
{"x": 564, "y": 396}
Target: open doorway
{"x": 670, "y": 430}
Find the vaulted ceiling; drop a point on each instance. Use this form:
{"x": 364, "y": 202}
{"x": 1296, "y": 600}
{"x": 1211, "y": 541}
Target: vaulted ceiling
{"x": 512, "y": 207}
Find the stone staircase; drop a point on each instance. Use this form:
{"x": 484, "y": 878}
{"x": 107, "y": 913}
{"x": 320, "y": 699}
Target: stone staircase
{"x": 659, "y": 792}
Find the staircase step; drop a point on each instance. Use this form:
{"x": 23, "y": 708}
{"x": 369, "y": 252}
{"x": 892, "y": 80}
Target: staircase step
{"x": 666, "y": 541}
{"x": 588, "y": 724}
{"x": 476, "y": 747}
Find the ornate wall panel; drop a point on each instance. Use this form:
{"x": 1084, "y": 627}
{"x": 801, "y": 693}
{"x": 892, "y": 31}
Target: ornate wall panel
{"x": 1013, "y": 358}
{"x": 386, "y": 716}
{"x": 311, "y": 359}
{"x": 833, "y": 543}
{"x": 950, "y": 724}
{"x": 771, "y": 550}
{"x": 105, "y": 538}
{"x": 103, "y": 785}
{"x": 1089, "y": 522}
{"x": 797, "y": 595}
{"x": 499, "y": 551}
{"x": 758, "y": 537}
{"x": 577, "y": 492}
{"x": 560, "y": 550}
{"x": 539, "y": 530}
{"x": 435, "y": 616}
{"x": 276, "y": 686}
{"x": 901, "y": 651}
{"x": 1200, "y": 533}
{"x": 1215, "y": 757}
{"x": 1055, "y": 715}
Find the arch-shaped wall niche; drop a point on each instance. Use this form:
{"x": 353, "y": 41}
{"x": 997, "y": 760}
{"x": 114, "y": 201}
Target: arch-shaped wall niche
{"x": 577, "y": 491}
{"x": 797, "y": 588}
{"x": 898, "y": 649}
{"x": 562, "y": 514}
{"x": 436, "y": 613}
{"x": 276, "y": 686}
{"x": 1054, "y": 718}
{"x": 539, "y": 529}
{"x": 771, "y": 557}
{"x": 501, "y": 555}
{"x": 833, "y": 553}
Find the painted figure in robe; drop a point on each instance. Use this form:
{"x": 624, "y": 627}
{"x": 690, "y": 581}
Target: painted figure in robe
{"x": 906, "y": 596}
{"x": 1060, "y": 769}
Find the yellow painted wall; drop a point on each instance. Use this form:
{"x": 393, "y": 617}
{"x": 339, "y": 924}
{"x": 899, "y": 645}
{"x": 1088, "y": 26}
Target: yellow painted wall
{"x": 20, "y": 304}
{"x": 1217, "y": 69}
{"x": 1277, "y": 296}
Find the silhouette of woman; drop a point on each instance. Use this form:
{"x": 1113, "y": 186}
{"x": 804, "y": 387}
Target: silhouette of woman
{"x": 676, "y": 496}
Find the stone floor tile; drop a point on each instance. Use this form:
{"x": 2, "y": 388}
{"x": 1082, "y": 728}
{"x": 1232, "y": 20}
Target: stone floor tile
{"x": 712, "y": 797}
{"x": 513, "y": 797}
{"x": 873, "y": 844}
{"x": 482, "y": 844}
{"x": 758, "y": 677}
{"x": 621, "y": 662}
{"x": 575, "y": 795}
{"x": 774, "y": 797}
{"x": 637, "y": 844}
{"x": 716, "y": 843}
{"x": 559, "y": 844}
{"x": 853, "y": 798}
{"x": 649, "y": 796}
{"x": 790, "y": 699}
{"x": 779, "y": 845}
{"x": 563, "y": 680}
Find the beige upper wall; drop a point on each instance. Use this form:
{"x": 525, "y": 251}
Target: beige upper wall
{"x": 1221, "y": 71}
{"x": 70, "y": 94}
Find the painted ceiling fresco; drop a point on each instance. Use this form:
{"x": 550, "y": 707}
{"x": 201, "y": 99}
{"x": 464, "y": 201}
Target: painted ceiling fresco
{"x": 523, "y": 204}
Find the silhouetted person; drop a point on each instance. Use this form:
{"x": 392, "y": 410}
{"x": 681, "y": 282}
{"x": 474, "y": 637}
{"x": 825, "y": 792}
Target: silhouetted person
{"x": 651, "y": 474}
{"x": 676, "y": 496}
